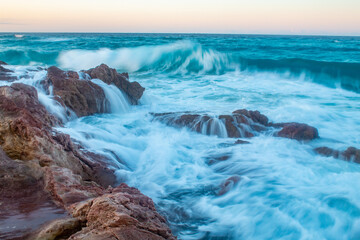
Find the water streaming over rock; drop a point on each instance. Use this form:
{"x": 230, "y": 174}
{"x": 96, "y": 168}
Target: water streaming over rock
{"x": 207, "y": 187}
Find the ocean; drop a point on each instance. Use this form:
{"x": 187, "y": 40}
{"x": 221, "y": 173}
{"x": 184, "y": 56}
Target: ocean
{"x": 286, "y": 190}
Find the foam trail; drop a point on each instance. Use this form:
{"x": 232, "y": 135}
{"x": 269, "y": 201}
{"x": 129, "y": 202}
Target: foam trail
{"x": 178, "y": 57}
{"x": 116, "y": 99}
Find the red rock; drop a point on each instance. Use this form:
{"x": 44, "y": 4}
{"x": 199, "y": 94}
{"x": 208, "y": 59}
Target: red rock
{"x": 82, "y": 96}
{"x": 50, "y": 164}
{"x": 255, "y": 116}
{"x": 133, "y": 90}
{"x": 298, "y": 131}
{"x": 123, "y": 212}
{"x": 351, "y": 154}
{"x": 22, "y": 197}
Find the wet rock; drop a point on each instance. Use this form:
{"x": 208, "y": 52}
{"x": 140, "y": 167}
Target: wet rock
{"x": 122, "y": 213}
{"x": 22, "y": 197}
{"x": 83, "y": 97}
{"x": 298, "y": 131}
{"x": 239, "y": 141}
{"x": 255, "y": 116}
{"x": 133, "y": 90}
{"x": 26, "y": 134}
{"x": 50, "y": 163}
{"x": 212, "y": 159}
{"x": 350, "y": 154}
{"x": 5, "y": 74}
{"x": 241, "y": 124}
{"x": 229, "y": 184}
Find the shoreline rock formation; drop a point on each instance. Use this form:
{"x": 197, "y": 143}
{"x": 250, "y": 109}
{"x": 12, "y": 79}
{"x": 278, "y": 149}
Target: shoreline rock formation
{"x": 38, "y": 162}
{"x": 240, "y": 124}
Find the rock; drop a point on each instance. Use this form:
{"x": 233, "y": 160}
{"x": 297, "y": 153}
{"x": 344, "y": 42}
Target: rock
{"x": 83, "y": 97}
{"x": 255, "y": 116}
{"x": 22, "y": 197}
{"x": 241, "y": 124}
{"x": 5, "y": 74}
{"x": 351, "y": 154}
{"x": 67, "y": 188}
{"x": 298, "y": 131}
{"x": 239, "y": 141}
{"x": 46, "y": 166}
{"x": 122, "y": 213}
{"x": 133, "y": 90}
{"x": 327, "y": 152}
{"x": 26, "y": 134}
{"x": 58, "y": 229}
{"x": 212, "y": 159}
{"x": 228, "y": 185}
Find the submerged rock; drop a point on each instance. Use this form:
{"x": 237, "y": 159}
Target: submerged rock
{"x": 241, "y": 124}
{"x": 351, "y": 154}
{"x": 133, "y": 90}
{"x": 229, "y": 184}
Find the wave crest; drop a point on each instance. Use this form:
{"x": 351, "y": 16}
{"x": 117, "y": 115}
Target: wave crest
{"x": 178, "y": 57}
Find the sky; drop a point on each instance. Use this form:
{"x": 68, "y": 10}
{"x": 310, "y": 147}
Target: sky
{"x": 307, "y": 17}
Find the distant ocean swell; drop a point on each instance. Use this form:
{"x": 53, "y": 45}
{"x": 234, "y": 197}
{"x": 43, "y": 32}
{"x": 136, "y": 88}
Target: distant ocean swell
{"x": 188, "y": 57}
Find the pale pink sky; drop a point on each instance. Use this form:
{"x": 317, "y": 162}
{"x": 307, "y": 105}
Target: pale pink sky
{"x": 331, "y": 17}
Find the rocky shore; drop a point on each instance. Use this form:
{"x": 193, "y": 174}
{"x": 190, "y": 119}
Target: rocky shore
{"x": 44, "y": 170}
{"x": 67, "y": 192}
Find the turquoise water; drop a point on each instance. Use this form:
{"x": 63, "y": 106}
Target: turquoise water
{"x": 286, "y": 191}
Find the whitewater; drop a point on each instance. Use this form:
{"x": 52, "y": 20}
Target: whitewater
{"x": 286, "y": 190}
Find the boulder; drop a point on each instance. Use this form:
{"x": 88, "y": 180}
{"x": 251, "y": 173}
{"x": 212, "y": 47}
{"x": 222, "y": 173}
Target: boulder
{"x": 26, "y": 134}
{"x": 47, "y": 167}
{"x": 241, "y": 124}
{"x": 350, "y": 154}
{"x": 133, "y": 90}
{"x": 298, "y": 131}
{"x": 83, "y": 97}
{"x": 22, "y": 197}
{"x": 122, "y": 213}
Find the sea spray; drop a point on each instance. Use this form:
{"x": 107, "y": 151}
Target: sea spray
{"x": 286, "y": 190}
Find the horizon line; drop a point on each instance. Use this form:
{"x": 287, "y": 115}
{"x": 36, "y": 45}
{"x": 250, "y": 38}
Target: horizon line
{"x": 192, "y": 33}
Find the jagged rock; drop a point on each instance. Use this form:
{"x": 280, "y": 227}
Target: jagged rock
{"x": 133, "y": 90}
{"x": 58, "y": 229}
{"x": 298, "y": 131}
{"x": 239, "y": 141}
{"x": 122, "y": 213}
{"x": 81, "y": 96}
{"x": 5, "y": 74}
{"x": 48, "y": 163}
{"x": 350, "y": 154}
{"x": 26, "y": 134}
{"x": 242, "y": 123}
{"x": 22, "y": 197}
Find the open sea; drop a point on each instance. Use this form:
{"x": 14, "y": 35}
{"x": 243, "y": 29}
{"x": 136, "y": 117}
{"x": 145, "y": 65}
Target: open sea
{"x": 286, "y": 190}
